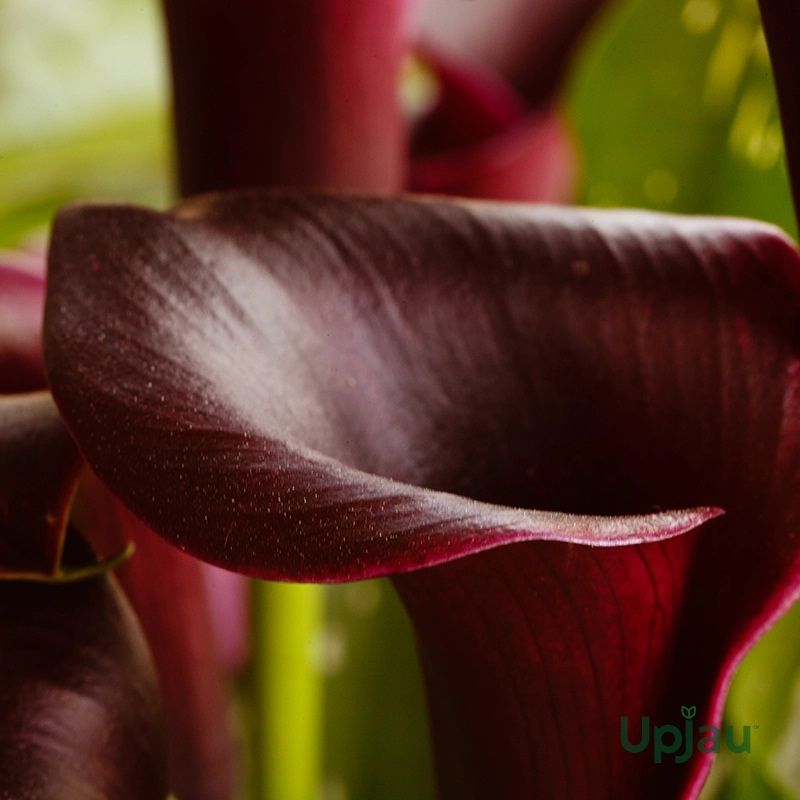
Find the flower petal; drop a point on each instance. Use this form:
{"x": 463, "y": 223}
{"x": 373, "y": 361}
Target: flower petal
{"x": 529, "y": 43}
{"x": 80, "y": 717}
{"x": 292, "y": 389}
{"x": 300, "y": 93}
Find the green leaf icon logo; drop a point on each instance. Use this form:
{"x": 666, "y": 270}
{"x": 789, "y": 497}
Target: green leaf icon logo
{"x": 688, "y": 711}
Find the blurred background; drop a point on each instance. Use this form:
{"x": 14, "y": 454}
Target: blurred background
{"x": 672, "y": 105}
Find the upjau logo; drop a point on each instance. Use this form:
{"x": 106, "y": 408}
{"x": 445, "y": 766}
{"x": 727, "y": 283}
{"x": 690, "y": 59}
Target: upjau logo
{"x": 683, "y": 742}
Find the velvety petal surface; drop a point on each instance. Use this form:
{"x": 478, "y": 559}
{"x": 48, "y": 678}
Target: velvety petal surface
{"x": 80, "y": 717}
{"x": 333, "y": 388}
{"x": 21, "y": 308}
{"x": 245, "y": 378}
{"x": 479, "y": 140}
{"x": 301, "y": 93}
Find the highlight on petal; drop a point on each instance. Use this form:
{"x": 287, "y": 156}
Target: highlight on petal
{"x": 80, "y": 717}
{"x": 479, "y": 140}
{"x": 330, "y": 388}
{"x": 246, "y": 380}
{"x": 21, "y": 309}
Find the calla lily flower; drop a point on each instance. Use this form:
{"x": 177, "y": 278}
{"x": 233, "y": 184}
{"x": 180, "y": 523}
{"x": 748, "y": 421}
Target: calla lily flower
{"x": 481, "y": 139}
{"x": 519, "y": 412}
{"x": 779, "y": 18}
{"x": 493, "y": 131}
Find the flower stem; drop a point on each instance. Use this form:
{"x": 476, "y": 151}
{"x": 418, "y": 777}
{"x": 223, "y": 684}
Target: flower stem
{"x": 287, "y": 691}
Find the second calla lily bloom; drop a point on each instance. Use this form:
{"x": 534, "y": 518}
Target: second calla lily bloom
{"x": 327, "y": 388}
{"x": 40, "y": 476}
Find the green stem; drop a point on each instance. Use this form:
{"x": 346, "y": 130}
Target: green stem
{"x": 287, "y": 691}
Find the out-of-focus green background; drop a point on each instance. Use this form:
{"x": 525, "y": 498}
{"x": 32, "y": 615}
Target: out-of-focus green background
{"x": 673, "y": 106}
{"x": 83, "y": 109}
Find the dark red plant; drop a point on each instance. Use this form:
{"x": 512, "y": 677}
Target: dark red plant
{"x": 337, "y": 388}
{"x": 493, "y": 129}
{"x": 306, "y": 94}
{"x": 168, "y": 593}
{"x": 300, "y": 93}
{"x": 332, "y": 387}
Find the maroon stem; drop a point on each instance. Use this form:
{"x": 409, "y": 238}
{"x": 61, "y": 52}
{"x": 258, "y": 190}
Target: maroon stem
{"x": 301, "y": 93}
